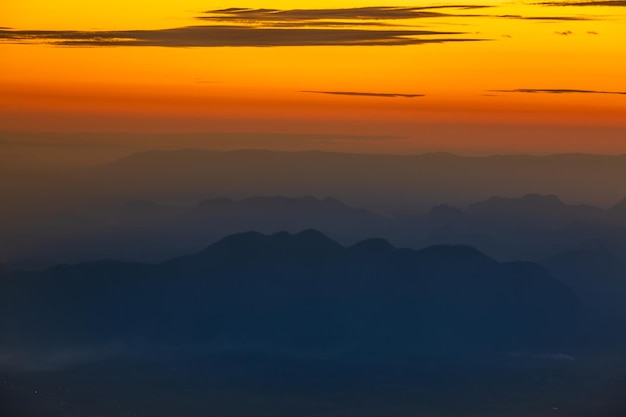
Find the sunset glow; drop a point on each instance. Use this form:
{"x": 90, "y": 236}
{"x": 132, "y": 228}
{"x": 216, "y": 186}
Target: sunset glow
{"x": 319, "y": 67}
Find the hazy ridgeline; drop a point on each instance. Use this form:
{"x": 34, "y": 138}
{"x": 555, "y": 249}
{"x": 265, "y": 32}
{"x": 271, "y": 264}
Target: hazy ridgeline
{"x": 156, "y": 205}
{"x": 184, "y": 308}
{"x": 387, "y": 183}
{"x": 148, "y": 191}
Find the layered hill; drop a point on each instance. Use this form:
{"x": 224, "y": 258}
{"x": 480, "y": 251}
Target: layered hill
{"x": 298, "y": 291}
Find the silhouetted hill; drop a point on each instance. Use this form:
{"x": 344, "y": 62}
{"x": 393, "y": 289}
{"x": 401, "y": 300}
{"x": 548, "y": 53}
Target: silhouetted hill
{"x": 444, "y": 215}
{"x": 378, "y": 182}
{"x": 296, "y": 324}
{"x": 372, "y": 245}
{"x": 271, "y": 214}
{"x": 531, "y": 210}
{"x": 596, "y": 275}
{"x": 530, "y": 205}
{"x": 295, "y": 291}
{"x": 375, "y": 180}
{"x": 150, "y": 232}
{"x": 531, "y": 227}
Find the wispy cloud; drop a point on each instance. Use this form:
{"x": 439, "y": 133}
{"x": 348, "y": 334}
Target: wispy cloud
{"x": 355, "y": 16}
{"x": 221, "y": 36}
{"x": 365, "y": 94}
{"x": 327, "y": 24}
{"x": 346, "y": 14}
{"x": 557, "y": 91}
{"x": 359, "y": 26}
{"x": 546, "y": 18}
{"x": 615, "y": 3}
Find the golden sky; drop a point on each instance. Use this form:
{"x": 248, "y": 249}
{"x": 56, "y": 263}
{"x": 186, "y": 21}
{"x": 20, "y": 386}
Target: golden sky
{"x": 384, "y": 68}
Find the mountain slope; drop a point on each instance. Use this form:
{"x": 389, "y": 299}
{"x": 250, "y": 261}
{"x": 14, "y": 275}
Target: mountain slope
{"x": 295, "y": 291}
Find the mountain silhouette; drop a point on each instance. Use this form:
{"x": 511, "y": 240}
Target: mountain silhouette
{"x": 296, "y": 291}
{"x": 147, "y": 231}
{"x": 373, "y": 181}
{"x": 535, "y": 210}
{"x": 296, "y": 324}
{"x": 531, "y": 227}
{"x": 372, "y": 245}
{"x": 385, "y": 183}
{"x": 597, "y": 276}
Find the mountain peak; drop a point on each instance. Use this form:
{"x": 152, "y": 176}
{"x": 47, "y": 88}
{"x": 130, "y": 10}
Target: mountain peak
{"x": 307, "y": 240}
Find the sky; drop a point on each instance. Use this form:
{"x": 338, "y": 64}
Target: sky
{"x": 463, "y": 76}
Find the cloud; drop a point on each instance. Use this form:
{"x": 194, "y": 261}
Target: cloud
{"x": 360, "y": 26}
{"x": 365, "y": 94}
{"x": 558, "y": 91}
{"x": 615, "y": 3}
{"x": 221, "y": 36}
{"x": 545, "y": 18}
{"x": 352, "y": 14}
{"x": 326, "y": 23}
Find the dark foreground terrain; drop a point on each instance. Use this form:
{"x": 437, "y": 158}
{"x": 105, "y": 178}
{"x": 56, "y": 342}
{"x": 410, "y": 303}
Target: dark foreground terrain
{"x": 298, "y": 325}
{"x": 237, "y": 384}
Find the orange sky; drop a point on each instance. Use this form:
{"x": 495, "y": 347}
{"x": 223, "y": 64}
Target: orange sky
{"x": 117, "y": 67}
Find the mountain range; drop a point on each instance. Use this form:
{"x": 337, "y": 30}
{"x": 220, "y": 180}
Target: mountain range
{"x": 384, "y": 183}
{"x": 533, "y": 226}
{"x": 295, "y": 291}
{"x": 293, "y": 323}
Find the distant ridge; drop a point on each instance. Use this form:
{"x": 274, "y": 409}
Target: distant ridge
{"x": 431, "y": 178}
{"x": 307, "y": 240}
{"x": 200, "y": 151}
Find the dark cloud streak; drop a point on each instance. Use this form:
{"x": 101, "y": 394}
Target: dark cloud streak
{"x": 364, "y": 94}
{"x": 362, "y": 15}
{"x": 241, "y": 27}
{"x": 356, "y": 13}
{"x": 545, "y": 18}
{"x": 613, "y": 3}
{"x": 557, "y": 91}
{"x": 224, "y": 36}
{"x": 328, "y": 24}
